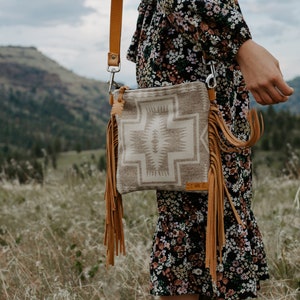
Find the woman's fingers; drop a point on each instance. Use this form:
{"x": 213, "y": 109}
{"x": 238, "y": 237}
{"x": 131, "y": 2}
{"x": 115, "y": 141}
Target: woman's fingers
{"x": 262, "y": 97}
{"x": 268, "y": 96}
{"x": 284, "y": 89}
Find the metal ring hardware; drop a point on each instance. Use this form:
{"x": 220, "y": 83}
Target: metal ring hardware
{"x": 112, "y": 84}
{"x": 211, "y": 79}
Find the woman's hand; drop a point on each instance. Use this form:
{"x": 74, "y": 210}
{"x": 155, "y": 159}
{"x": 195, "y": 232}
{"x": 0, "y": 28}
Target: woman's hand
{"x": 262, "y": 74}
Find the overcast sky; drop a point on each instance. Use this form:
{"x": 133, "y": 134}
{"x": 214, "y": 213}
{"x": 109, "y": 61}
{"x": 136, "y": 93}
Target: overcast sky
{"x": 75, "y": 32}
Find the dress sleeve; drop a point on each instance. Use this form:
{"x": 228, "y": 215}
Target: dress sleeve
{"x": 143, "y": 15}
{"x": 217, "y": 25}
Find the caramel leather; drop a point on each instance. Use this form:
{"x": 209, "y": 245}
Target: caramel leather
{"x": 113, "y": 59}
{"x": 196, "y": 186}
{"x": 114, "y": 232}
{"x": 217, "y": 190}
{"x": 116, "y": 11}
{"x": 118, "y": 104}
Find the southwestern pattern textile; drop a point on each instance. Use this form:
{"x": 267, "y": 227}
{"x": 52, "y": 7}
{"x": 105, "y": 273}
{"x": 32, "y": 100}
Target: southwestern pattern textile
{"x": 163, "y": 138}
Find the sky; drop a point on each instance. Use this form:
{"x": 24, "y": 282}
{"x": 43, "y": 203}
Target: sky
{"x": 75, "y": 32}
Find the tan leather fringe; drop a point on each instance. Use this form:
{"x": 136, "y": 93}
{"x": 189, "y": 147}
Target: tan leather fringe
{"x": 215, "y": 234}
{"x": 114, "y": 233}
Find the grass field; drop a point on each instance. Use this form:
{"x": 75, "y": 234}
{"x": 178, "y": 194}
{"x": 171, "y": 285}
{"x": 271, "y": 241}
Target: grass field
{"x": 51, "y": 237}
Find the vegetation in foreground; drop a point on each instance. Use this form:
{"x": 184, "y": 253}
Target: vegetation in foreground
{"x": 51, "y": 236}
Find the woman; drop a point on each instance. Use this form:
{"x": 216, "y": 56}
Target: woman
{"x": 167, "y": 48}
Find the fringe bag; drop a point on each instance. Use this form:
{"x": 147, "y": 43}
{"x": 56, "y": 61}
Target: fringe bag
{"x": 141, "y": 155}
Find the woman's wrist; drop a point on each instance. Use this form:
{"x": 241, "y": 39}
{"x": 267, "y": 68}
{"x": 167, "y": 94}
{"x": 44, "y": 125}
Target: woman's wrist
{"x": 245, "y": 50}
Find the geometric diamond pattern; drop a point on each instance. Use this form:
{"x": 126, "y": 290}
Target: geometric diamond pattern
{"x": 162, "y": 141}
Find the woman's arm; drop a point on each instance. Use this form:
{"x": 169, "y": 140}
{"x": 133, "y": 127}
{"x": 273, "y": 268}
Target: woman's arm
{"x": 221, "y": 30}
{"x": 262, "y": 74}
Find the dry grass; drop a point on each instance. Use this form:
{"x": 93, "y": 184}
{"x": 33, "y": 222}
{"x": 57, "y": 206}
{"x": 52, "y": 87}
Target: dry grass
{"x": 51, "y": 240}
{"x": 279, "y": 219}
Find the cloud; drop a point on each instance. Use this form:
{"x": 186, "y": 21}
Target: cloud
{"x": 275, "y": 25}
{"x": 75, "y": 33}
{"x": 41, "y": 12}
{"x": 277, "y": 11}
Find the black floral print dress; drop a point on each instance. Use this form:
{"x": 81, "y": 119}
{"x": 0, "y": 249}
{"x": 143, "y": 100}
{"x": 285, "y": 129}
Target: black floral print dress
{"x": 167, "y": 48}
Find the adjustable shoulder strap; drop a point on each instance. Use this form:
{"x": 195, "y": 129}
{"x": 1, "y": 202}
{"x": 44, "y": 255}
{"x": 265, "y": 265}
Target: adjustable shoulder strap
{"x": 115, "y": 33}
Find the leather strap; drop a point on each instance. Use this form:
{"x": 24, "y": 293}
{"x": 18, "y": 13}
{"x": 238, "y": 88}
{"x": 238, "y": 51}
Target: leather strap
{"x": 116, "y": 10}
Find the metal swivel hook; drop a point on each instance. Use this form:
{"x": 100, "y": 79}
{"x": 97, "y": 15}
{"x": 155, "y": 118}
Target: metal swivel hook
{"x": 211, "y": 79}
{"x": 112, "y": 84}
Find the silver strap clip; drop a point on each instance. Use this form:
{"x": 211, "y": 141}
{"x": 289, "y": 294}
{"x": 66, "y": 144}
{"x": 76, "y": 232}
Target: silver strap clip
{"x": 211, "y": 79}
{"x": 112, "y": 84}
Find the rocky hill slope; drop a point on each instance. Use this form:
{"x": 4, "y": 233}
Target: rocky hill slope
{"x": 42, "y": 103}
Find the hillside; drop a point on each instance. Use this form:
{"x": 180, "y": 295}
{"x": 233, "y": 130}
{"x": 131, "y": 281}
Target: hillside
{"x": 42, "y": 104}
{"x": 293, "y": 105}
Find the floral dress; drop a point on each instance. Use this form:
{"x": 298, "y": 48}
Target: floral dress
{"x": 167, "y": 47}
